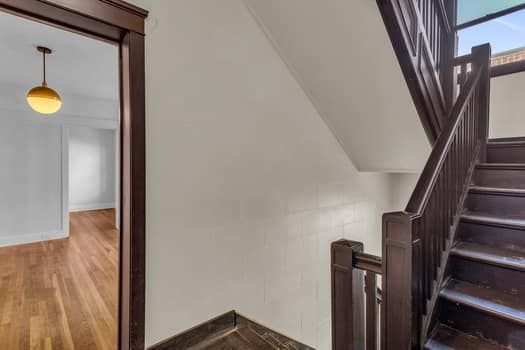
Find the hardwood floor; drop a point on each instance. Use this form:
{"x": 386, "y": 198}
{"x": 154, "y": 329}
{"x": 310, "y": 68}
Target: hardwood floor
{"x": 62, "y": 294}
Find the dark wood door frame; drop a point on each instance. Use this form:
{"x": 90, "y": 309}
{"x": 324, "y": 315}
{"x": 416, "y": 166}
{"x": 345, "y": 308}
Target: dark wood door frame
{"x": 123, "y": 24}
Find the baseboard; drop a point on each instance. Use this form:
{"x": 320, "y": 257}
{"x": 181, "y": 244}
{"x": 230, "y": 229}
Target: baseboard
{"x": 31, "y": 238}
{"x": 92, "y": 206}
{"x": 210, "y": 331}
{"x": 262, "y": 329}
{"x": 198, "y": 334}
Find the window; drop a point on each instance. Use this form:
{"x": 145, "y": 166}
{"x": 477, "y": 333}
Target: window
{"x": 506, "y": 35}
{"x": 469, "y": 10}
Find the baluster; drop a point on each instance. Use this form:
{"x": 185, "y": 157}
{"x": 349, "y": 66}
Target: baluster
{"x": 440, "y": 228}
{"x": 446, "y": 218}
{"x": 435, "y": 233}
{"x": 456, "y": 166}
{"x": 371, "y": 310}
{"x": 423, "y": 225}
{"x": 466, "y": 119}
{"x": 428, "y": 248}
{"x": 347, "y": 296}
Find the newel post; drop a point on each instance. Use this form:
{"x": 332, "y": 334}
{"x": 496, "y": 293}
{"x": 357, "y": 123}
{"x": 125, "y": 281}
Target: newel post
{"x": 347, "y": 297}
{"x": 400, "y": 318}
{"x": 481, "y": 57}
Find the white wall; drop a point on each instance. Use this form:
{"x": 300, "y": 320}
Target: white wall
{"x": 507, "y": 106}
{"x": 31, "y": 202}
{"x": 246, "y": 186}
{"x": 36, "y": 149}
{"x": 402, "y": 186}
{"x": 341, "y": 54}
{"x": 76, "y": 110}
{"x": 92, "y": 165}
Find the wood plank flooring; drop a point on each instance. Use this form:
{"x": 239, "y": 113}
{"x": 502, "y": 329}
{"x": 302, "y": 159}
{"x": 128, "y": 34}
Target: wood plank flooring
{"x": 62, "y": 294}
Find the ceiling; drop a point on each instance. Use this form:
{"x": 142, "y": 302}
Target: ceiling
{"x": 78, "y": 66}
{"x": 340, "y": 53}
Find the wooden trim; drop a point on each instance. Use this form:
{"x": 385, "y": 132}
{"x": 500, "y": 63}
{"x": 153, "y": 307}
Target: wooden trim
{"x": 508, "y": 68}
{"x": 119, "y": 22}
{"x": 62, "y": 18}
{"x": 241, "y": 320}
{"x": 213, "y": 330}
{"x": 372, "y": 310}
{"x": 116, "y": 13}
{"x": 400, "y": 322}
{"x": 368, "y": 262}
{"x": 424, "y": 44}
{"x": 133, "y": 217}
{"x": 198, "y": 334}
{"x": 507, "y": 139}
{"x": 347, "y": 296}
{"x": 489, "y": 17}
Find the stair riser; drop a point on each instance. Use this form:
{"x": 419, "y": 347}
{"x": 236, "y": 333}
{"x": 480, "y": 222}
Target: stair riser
{"x": 506, "y": 153}
{"x": 504, "y": 279}
{"x": 496, "y": 204}
{"x": 506, "y": 238}
{"x": 505, "y": 178}
{"x": 471, "y": 321}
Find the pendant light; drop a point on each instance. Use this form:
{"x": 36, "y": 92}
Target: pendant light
{"x": 43, "y": 99}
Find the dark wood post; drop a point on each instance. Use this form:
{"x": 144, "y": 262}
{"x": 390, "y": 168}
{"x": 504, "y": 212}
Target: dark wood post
{"x": 481, "y": 57}
{"x": 400, "y": 319}
{"x": 449, "y": 53}
{"x": 347, "y": 297}
{"x": 372, "y": 309}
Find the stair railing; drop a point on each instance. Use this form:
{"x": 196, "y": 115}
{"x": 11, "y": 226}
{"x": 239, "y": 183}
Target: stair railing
{"x": 416, "y": 242}
{"x": 356, "y": 299}
{"x": 423, "y": 39}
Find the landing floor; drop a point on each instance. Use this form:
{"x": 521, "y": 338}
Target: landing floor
{"x": 62, "y": 294}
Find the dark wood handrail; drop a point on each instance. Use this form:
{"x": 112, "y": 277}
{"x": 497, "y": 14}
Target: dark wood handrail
{"x": 459, "y": 60}
{"x": 416, "y": 242}
{"x": 356, "y": 299}
{"x": 431, "y": 171}
{"x": 368, "y": 262}
{"x": 423, "y": 39}
{"x": 444, "y": 16}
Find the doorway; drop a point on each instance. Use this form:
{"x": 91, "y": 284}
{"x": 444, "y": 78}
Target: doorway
{"x": 114, "y": 21}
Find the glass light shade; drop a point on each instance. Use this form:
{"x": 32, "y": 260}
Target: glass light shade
{"x": 44, "y": 100}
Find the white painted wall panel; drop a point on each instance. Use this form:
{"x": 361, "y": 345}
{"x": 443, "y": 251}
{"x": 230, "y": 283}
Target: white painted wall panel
{"x": 92, "y": 164}
{"x": 507, "y": 106}
{"x": 340, "y": 53}
{"x": 30, "y": 181}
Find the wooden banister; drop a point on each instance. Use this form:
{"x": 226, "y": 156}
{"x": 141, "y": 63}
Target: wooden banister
{"x": 416, "y": 242}
{"x": 355, "y": 297}
{"x": 423, "y": 39}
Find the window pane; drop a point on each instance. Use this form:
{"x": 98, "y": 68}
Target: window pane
{"x": 504, "y": 33}
{"x": 469, "y": 10}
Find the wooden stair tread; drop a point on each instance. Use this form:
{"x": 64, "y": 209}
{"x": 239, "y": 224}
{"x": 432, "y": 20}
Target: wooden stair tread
{"x": 506, "y": 143}
{"x": 487, "y": 300}
{"x": 490, "y": 254}
{"x": 497, "y": 190}
{"x": 446, "y": 338}
{"x": 501, "y": 166}
{"x": 486, "y": 219}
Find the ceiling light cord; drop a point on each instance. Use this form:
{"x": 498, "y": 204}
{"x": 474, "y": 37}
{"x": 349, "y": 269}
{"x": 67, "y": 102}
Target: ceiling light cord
{"x": 44, "y": 83}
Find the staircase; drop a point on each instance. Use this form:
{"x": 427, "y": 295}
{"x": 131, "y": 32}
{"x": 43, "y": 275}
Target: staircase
{"x": 453, "y": 262}
{"x": 481, "y": 304}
